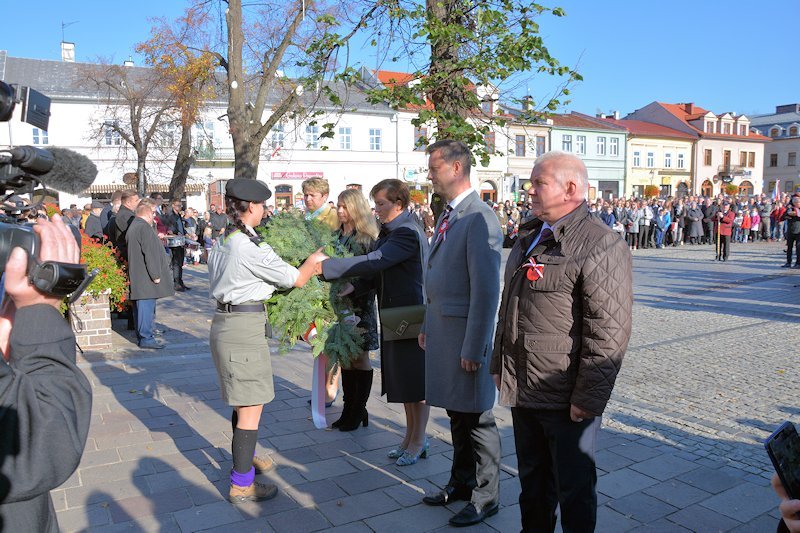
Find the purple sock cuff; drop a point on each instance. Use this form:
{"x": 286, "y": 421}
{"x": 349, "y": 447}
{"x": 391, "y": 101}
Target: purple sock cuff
{"x": 243, "y": 480}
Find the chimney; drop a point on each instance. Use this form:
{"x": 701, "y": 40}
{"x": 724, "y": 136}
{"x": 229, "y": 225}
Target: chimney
{"x": 616, "y": 115}
{"x": 128, "y": 62}
{"x": 600, "y": 115}
{"x": 527, "y": 103}
{"x": 67, "y": 52}
{"x": 689, "y": 108}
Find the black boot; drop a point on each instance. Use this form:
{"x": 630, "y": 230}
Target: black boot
{"x": 358, "y": 414}
{"x": 350, "y": 395}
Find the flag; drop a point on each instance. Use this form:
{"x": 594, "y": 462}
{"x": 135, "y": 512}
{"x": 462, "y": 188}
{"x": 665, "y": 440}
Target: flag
{"x": 776, "y": 192}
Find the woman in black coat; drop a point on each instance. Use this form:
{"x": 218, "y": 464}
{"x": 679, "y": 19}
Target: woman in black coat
{"x": 394, "y": 266}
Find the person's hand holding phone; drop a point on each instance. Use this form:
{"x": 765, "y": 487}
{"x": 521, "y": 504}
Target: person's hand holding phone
{"x": 790, "y": 509}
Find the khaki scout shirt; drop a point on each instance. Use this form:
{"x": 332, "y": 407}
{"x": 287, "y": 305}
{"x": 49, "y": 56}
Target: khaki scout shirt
{"x": 240, "y": 271}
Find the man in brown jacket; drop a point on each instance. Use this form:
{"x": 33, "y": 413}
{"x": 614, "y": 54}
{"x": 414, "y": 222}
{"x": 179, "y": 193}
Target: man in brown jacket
{"x": 563, "y": 328}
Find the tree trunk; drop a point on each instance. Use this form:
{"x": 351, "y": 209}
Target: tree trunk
{"x": 247, "y": 156}
{"x": 141, "y": 179}
{"x": 239, "y": 116}
{"x": 449, "y": 92}
{"x": 183, "y": 162}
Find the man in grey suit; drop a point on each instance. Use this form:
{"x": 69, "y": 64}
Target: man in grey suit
{"x": 462, "y": 282}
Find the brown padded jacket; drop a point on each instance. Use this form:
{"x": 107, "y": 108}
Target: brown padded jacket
{"x": 560, "y": 339}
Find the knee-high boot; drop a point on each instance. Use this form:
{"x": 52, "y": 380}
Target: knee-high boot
{"x": 359, "y": 415}
{"x": 350, "y": 396}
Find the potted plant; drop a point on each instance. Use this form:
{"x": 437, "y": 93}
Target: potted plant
{"x": 652, "y": 191}
{"x": 731, "y": 189}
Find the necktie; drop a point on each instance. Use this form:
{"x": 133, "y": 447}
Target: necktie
{"x": 545, "y": 235}
{"x": 441, "y": 236}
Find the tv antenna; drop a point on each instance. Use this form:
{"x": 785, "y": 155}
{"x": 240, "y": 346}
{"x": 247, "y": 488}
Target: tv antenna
{"x": 66, "y": 25}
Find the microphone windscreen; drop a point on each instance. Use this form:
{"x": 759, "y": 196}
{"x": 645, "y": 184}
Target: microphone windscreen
{"x": 71, "y": 173}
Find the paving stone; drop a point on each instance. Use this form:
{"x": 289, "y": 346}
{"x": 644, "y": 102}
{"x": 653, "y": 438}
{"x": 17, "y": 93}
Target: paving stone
{"x": 299, "y": 520}
{"x": 641, "y": 507}
{"x": 677, "y": 493}
{"x": 420, "y": 517}
{"x": 664, "y": 467}
{"x": 99, "y": 458}
{"x": 207, "y": 516}
{"x": 623, "y": 482}
{"x": 411, "y": 493}
{"x": 83, "y": 518}
{"x": 660, "y": 526}
{"x": 635, "y": 451}
{"x": 709, "y": 480}
{"x": 701, "y": 520}
{"x": 357, "y": 507}
{"x": 327, "y": 469}
{"x": 315, "y": 492}
{"x": 288, "y": 442}
{"x": 610, "y": 520}
{"x": 743, "y": 502}
{"x": 367, "y": 480}
{"x": 155, "y": 504}
{"x": 610, "y": 461}
{"x": 115, "y": 472}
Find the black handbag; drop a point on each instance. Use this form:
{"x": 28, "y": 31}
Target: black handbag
{"x": 404, "y": 322}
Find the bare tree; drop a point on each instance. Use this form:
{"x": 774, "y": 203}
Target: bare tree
{"x": 136, "y": 114}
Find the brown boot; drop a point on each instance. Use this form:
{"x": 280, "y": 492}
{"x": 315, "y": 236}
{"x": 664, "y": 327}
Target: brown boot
{"x": 256, "y": 492}
{"x": 263, "y": 464}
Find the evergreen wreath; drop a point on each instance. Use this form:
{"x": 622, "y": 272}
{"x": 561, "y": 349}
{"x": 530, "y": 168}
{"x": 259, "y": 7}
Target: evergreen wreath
{"x": 292, "y": 313}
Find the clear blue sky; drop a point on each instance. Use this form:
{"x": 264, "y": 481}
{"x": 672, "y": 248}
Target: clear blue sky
{"x": 731, "y": 55}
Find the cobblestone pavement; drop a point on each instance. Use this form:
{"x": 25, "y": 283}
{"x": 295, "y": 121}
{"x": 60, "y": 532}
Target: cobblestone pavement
{"x": 711, "y": 370}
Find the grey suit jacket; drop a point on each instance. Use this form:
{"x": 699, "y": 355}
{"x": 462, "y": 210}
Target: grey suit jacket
{"x": 462, "y": 281}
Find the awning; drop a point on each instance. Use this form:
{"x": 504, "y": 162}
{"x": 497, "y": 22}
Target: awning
{"x": 108, "y": 188}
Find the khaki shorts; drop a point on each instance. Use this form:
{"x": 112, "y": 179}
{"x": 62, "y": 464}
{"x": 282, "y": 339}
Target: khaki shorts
{"x": 241, "y": 356}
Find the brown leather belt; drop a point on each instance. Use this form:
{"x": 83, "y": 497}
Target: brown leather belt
{"x": 243, "y": 308}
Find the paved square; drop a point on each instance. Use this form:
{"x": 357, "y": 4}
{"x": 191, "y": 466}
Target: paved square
{"x": 708, "y": 374}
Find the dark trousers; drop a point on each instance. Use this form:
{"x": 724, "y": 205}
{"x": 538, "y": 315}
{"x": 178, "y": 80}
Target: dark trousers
{"x": 556, "y": 459}
{"x": 476, "y": 455}
{"x": 792, "y": 240}
{"x": 651, "y": 234}
{"x": 724, "y": 246}
{"x": 177, "y": 256}
{"x": 144, "y": 314}
{"x": 643, "y": 236}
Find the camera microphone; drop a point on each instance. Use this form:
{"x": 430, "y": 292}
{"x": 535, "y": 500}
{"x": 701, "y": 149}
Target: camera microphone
{"x": 57, "y": 168}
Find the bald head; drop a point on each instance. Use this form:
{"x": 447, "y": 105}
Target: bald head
{"x": 568, "y": 168}
{"x": 559, "y": 183}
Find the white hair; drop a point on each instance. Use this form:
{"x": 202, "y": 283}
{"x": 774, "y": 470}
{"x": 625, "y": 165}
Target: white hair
{"x": 576, "y": 169}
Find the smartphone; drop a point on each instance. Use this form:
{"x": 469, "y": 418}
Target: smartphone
{"x": 783, "y": 447}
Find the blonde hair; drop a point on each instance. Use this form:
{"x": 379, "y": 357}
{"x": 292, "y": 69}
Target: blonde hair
{"x": 361, "y": 213}
{"x": 319, "y": 185}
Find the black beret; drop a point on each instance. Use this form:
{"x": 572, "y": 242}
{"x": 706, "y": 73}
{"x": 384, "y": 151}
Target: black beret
{"x": 247, "y": 190}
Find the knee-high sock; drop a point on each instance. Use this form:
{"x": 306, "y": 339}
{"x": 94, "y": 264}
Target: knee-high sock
{"x": 244, "y": 446}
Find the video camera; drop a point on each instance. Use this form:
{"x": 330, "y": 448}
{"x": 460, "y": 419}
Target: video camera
{"x": 22, "y": 169}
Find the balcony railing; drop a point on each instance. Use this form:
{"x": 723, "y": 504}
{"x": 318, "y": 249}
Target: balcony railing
{"x": 211, "y": 153}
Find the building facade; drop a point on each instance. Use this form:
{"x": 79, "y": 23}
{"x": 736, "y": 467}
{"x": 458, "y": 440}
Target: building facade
{"x": 780, "y": 158}
{"x": 725, "y": 150}
{"x": 599, "y": 144}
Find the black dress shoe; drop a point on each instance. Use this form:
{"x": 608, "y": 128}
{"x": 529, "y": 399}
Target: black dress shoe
{"x": 447, "y": 495}
{"x": 471, "y": 514}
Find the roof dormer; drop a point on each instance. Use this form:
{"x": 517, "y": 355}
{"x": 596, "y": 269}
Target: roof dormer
{"x": 775, "y": 131}
{"x": 742, "y": 126}
{"x": 793, "y": 129}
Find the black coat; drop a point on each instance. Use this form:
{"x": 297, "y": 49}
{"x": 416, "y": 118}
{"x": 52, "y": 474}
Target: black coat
{"x": 119, "y": 227}
{"x": 174, "y": 223}
{"x": 94, "y": 227}
{"x": 45, "y": 407}
{"x": 147, "y": 261}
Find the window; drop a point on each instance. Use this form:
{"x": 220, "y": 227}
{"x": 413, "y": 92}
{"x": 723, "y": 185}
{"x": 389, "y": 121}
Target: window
{"x": 726, "y": 128}
{"x": 667, "y": 160}
{"x": 751, "y": 159}
{"x": 166, "y": 135}
{"x": 774, "y": 132}
{"x": 566, "y": 143}
{"x": 681, "y": 162}
{"x": 580, "y": 144}
{"x": 486, "y": 107}
{"x": 788, "y": 186}
{"x": 792, "y": 161}
{"x": 773, "y": 160}
{"x": 613, "y": 147}
{"x": 709, "y": 127}
{"x": 651, "y": 159}
{"x": 637, "y": 159}
{"x": 541, "y": 145}
{"x": 707, "y": 157}
{"x": 345, "y": 138}
{"x": 113, "y": 138}
{"x": 742, "y": 159}
{"x": 420, "y": 139}
{"x": 489, "y": 142}
{"x": 40, "y": 136}
{"x": 312, "y": 136}
{"x": 601, "y": 146}
{"x": 742, "y": 129}
{"x": 375, "y": 139}
{"x": 793, "y": 131}
{"x": 519, "y": 146}
{"x": 277, "y": 136}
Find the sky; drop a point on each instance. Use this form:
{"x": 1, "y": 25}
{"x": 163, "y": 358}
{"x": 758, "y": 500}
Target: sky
{"x": 732, "y": 55}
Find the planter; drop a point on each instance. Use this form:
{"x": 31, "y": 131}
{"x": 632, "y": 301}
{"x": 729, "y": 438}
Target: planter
{"x": 90, "y": 318}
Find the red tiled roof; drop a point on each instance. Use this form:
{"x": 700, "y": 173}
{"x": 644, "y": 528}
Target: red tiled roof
{"x": 680, "y": 112}
{"x": 577, "y": 121}
{"x": 387, "y": 77}
{"x": 648, "y": 129}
